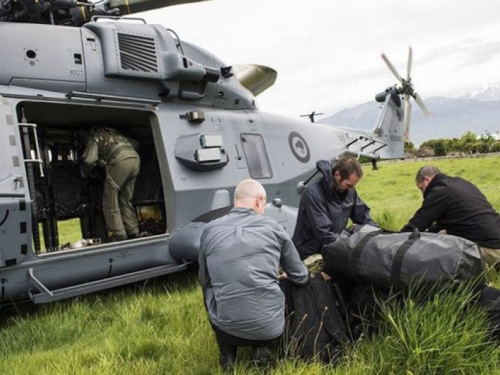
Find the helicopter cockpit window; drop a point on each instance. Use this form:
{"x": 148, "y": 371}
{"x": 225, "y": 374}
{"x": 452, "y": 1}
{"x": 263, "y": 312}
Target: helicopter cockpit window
{"x": 256, "y": 156}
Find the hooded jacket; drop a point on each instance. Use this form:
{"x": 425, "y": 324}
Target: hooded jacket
{"x": 459, "y": 207}
{"x": 324, "y": 213}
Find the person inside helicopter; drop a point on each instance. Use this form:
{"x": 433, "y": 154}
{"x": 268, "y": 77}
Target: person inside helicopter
{"x": 108, "y": 148}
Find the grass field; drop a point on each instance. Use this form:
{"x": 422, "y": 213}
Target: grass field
{"x": 160, "y": 326}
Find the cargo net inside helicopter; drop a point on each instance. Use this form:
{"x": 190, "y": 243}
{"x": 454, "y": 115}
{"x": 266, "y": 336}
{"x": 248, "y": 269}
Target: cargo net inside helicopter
{"x": 66, "y": 205}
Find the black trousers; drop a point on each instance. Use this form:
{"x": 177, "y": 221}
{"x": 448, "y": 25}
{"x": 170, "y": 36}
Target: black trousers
{"x": 228, "y": 344}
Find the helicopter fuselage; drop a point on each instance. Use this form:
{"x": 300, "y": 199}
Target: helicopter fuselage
{"x": 200, "y": 132}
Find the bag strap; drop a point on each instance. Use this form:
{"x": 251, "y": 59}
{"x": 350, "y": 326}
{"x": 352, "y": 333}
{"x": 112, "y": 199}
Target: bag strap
{"x": 327, "y": 310}
{"x": 400, "y": 254}
{"x": 356, "y": 253}
{"x": 301, "y": 300}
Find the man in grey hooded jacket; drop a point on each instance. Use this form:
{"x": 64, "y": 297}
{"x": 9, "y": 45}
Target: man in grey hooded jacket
{"x": 327, "y": 204}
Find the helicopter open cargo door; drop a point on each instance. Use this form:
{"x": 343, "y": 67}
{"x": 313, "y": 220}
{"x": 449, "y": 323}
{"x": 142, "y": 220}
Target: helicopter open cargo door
{"x": 14, "y": 207}
{"x": 66, "y": 209}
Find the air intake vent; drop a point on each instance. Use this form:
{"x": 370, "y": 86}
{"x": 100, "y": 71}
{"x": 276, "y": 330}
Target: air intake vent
{"x": 138, "y": 53}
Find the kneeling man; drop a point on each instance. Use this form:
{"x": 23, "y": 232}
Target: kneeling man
{"x": 239, "y": 258}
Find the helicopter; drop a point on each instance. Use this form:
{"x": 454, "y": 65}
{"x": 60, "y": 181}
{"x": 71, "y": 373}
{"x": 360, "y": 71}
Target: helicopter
{"x": 69, "y": 65}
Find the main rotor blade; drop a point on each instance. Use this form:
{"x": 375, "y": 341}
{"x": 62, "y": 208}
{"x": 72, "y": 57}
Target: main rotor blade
{"x": 410, "y": 58}
{"x": 421, "y": 104}
{"x": 407, "y": 116}
{"x": 135, "y": 6}
{"x": 392, "y": 68}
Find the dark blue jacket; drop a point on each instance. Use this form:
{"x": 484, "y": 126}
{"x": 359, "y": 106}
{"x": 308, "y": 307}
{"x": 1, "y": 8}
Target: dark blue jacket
{"x": 324, "y": 213}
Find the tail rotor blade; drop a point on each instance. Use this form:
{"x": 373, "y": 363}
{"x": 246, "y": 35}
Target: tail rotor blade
{"x": 421, "y": 104}
{"x": 407, "y": 117}
{"x": 406, "y": 91}
{"x": 410, "y": 58}
{"x": 392, "y": 68}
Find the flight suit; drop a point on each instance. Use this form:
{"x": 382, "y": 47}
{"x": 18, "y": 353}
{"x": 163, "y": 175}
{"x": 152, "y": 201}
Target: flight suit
{"x": 108, "y": 148}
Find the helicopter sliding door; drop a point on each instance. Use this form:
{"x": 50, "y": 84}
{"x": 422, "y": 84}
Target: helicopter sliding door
{"x": 67, "y": 207}
{"x": 14, "y": 205}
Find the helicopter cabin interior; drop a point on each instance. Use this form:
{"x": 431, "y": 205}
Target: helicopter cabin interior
{"x": 67, "y": 207}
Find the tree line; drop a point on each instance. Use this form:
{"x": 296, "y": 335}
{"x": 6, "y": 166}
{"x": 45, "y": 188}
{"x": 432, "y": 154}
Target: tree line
{"x": 469, "y": 144}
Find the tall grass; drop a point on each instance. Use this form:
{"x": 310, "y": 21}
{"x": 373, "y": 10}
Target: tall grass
{"x": 160, "y": 326}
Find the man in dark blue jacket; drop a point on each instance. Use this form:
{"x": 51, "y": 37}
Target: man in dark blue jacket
{"x": 327, "y": 205}
{"x": 458, "y": 207}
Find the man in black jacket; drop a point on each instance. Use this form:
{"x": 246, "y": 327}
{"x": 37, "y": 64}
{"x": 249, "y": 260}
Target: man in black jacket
{"x": 457, "y": 206}
{"x": 327, "y": 204}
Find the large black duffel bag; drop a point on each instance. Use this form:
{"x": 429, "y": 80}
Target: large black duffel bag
{"x": 371, "y": 256}
{"x": 314, "y": 327}
{"x": 490, "y": 301}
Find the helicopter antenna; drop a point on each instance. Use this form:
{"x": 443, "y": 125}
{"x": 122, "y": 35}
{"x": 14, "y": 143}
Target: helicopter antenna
{"x": 407, "y": 90}
{"x": 311, "y": 115}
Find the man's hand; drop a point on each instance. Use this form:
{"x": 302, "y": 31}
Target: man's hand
{"x": 325, "y": 276}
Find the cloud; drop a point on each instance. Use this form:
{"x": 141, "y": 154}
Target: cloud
{"x": 327, "y": 53}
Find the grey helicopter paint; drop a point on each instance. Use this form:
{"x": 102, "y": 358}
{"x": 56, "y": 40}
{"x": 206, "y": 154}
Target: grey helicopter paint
{"x": 67, "y": 66}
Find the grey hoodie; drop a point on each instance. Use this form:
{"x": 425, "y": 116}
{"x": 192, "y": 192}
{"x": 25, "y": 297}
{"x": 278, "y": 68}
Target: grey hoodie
{"x": 239, "y": 258}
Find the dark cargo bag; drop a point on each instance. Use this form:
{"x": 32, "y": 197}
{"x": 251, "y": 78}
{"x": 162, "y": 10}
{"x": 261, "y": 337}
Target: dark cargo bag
{"x": 314, "y": 328}
{"x": 371, "y": 256}
{"x": 490, "y": 302}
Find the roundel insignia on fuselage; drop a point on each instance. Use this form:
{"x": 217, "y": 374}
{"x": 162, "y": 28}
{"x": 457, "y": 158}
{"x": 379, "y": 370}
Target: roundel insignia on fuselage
{"x": 299, "y": 147}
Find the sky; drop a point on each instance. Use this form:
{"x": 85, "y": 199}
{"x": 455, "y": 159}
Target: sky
{"x": 327, "y": 52}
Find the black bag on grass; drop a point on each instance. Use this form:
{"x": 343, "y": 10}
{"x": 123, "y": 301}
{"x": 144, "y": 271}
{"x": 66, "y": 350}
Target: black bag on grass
{"x": 314, "y": 327}
{"x": 371, "y": 256}
{"x": 490, "y": 301}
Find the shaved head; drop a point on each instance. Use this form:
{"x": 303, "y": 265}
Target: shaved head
{"x": 250, "y": 194}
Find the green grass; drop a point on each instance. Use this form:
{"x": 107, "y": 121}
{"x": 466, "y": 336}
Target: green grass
{"x": 446, "y": 334}
{"x": 68, "y": 231}
{"x": 160, "y": 326}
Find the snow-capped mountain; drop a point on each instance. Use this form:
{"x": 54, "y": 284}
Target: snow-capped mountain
{"x": 486, "y": 93}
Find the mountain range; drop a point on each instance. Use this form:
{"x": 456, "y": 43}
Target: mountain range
{"x": 478, "y": 112}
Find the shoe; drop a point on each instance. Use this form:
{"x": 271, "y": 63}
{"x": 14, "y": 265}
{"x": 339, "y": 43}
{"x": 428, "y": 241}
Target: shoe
{"x": 262, "y": 356}
{"x": 227, "y": 362}
{"x": 116, "y": 238}
{"x": 138, "y": 235}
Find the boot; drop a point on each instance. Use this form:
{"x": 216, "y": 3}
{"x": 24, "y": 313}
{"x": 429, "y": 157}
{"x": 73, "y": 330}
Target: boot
{"x": 262, "y": 356}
